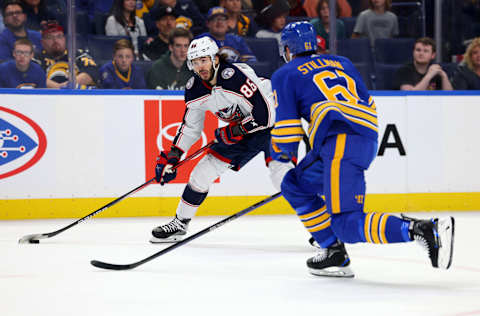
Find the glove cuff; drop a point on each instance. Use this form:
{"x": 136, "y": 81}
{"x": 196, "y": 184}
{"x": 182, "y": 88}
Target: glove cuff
{"x": 175, "y": 153}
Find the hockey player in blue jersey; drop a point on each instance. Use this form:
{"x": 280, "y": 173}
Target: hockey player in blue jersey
{"x": 328, "y": 92}
{"x": 234, "y": 94}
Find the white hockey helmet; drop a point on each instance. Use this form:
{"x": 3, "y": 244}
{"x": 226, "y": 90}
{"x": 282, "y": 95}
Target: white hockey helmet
{"x": 201, "y": 47}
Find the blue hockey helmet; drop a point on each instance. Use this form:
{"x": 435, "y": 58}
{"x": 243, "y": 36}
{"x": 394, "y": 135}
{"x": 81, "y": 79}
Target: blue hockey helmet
{"x": 299, "y": 37}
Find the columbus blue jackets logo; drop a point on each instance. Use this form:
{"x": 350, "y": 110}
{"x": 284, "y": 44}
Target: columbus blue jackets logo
{"x": 22, "y": 142}
{"x": 230, "y": 114}
{"x": 227, "y": 73}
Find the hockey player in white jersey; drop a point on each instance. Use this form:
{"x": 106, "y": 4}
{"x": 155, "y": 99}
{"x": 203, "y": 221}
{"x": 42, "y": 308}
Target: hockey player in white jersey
{"x": 234, "y": 94}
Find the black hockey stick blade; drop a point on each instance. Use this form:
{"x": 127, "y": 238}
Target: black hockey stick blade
{"x": 111, "y": 266}
{"x": 35, "y": 238}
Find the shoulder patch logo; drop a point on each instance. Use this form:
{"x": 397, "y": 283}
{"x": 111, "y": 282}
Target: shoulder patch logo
{"x": 227, "y": 73}
{"x": 190, "y": 82}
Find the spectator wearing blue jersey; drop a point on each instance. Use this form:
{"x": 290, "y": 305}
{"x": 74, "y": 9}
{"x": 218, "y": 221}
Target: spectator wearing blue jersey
{"x": 232, "y": 46}
{"x": 15, "y": 18}
{"x": 120, "y": 73}
{"x": 22, "y": 73}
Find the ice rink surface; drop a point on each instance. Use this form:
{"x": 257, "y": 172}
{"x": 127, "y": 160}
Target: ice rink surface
{"x": 254, "y": 265}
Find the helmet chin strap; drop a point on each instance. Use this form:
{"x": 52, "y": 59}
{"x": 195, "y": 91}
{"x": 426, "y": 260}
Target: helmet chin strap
{"x": 215, "y": 70}
{"x": 287, "y": 56}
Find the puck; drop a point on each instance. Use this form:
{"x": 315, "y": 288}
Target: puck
{"x": 33, "y": 241}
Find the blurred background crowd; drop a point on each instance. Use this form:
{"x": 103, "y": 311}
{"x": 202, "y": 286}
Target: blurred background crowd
{"x": 134, "y": 44}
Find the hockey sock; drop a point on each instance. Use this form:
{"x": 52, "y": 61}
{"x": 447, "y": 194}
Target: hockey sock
{"x": 190, "y": 202}
{"x": 378, "y": 228}
{"x": 317, "y": 222}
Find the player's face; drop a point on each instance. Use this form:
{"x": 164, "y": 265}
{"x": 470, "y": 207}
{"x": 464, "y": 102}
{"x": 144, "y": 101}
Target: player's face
{"x": 423, "y": 54}
{"x": 14, "y": 16}
{"x": 23, "y": 54}
{"x": 218, "y": 26}
{"x": 166, "y": 24}
{"x": 123, "y": 59}
{"x": 234, "y": 6}
{"x": 54, "y": 43}
{"x": 179, "y": 48}
{"x": 203, "y": 67}
{"x": 129, "y": 5}
{"x": 475, "y": 56}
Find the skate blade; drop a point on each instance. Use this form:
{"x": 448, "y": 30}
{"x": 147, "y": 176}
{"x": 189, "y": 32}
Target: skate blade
{"x": 171, "y": 239}
{"x": 334, "y": 272}
{"x": 446, "y": 233}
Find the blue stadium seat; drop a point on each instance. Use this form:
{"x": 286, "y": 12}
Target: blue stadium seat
{"x": 357, "y": 50}
{"x": 101, "y": 46}
{"x": 83, "y": 25}
{"x": 365, "y": 73}
{"x": 290, "y": 19}
{"x": 144, "y": 64}
{"x": 384, "y": 74}
{"x": 99, "y": 20}
{"x": 266, "y": 51}
{"x": 349, "y": 25}
{"x": 262, "y": 68}
{"x": 394, "y": 50}
{"x": 449, "y": 68}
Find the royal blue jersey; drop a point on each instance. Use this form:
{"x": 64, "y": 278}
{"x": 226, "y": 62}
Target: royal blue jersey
{"x": 11, "y": 77}
{"x": 112, "y": 78}
{"x": 329, "y": 93}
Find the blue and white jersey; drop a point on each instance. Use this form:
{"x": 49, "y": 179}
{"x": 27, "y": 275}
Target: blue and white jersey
{"x": 239, "y": 96}
{"x": 112, "y": 78}
{"x": 11, "y": 77}
{"x": 329, "y": 93}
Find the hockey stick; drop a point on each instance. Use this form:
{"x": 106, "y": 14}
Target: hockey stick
{"x": 35, "y": 238}
{"x": 111, "y": 266}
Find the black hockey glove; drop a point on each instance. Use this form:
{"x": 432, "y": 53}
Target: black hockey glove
{"x": 230, "y": 134}
{"x": 164, "y": 171}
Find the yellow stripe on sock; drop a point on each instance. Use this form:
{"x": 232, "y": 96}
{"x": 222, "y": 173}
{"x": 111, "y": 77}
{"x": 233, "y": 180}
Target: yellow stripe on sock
{"x": 383, "y": 225}
{"x": 368, "y": 219}
{"x": 374, "y": 228}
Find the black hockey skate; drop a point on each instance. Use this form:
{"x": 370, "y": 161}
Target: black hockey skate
{"x": 171, "y": 232}
{"x": 436, "y": 236}
{"x": 332, "y": 262}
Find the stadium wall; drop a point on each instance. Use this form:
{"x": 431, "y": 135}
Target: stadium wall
{"x": 75, "y": 151}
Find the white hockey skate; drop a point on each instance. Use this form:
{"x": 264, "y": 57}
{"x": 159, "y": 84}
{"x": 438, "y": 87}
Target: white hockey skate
{"x": 171, "y": 232}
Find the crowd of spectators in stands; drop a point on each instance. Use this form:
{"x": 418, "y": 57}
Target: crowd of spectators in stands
{"x": 150, "y": 40}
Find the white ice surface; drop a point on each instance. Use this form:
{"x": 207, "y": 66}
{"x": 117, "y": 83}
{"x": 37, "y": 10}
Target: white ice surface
{"x": 254, "y": 265}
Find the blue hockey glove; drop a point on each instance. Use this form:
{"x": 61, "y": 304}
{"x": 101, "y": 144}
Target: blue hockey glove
{"x": 230, "y": 134}
{"x": 164, "y": 171}
{"x": 282, "y": 156}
